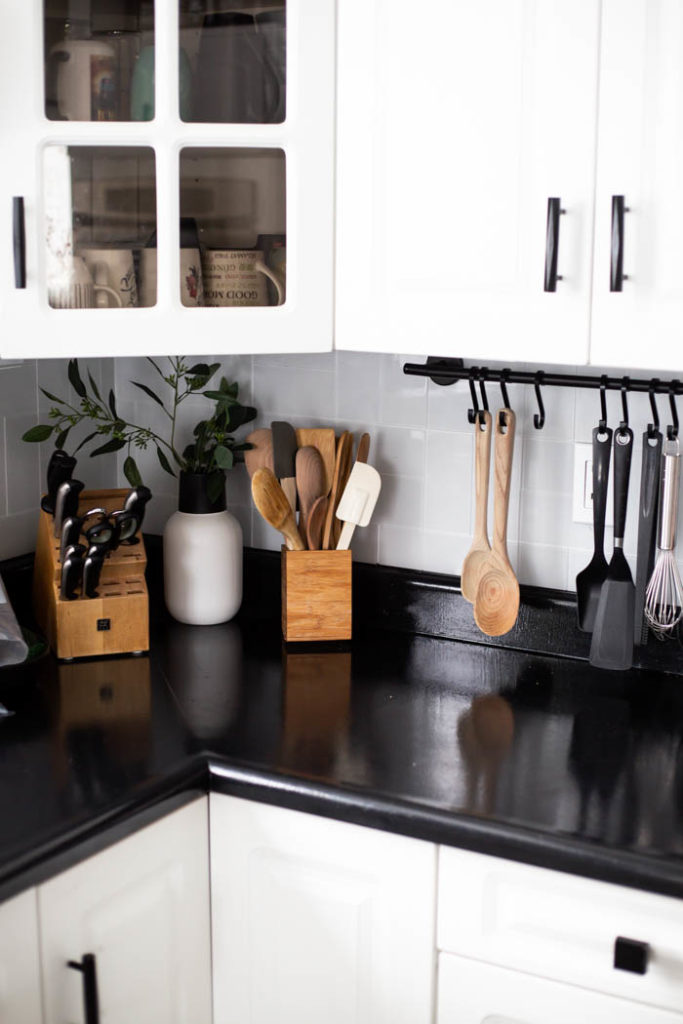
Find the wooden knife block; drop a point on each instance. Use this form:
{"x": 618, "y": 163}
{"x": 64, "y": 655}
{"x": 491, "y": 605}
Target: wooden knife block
{"x": 316, "y": 595}
{"x": 116, "y": 622}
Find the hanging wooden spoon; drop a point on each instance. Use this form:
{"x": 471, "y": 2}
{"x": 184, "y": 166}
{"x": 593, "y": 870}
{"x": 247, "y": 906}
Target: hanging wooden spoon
{"x": 476, "y": 557}
{"x": 310, "y": 482}
{"x": 262, "y": 452}
{"x": 496, "y": 604}
{"x": 272, "y": 503}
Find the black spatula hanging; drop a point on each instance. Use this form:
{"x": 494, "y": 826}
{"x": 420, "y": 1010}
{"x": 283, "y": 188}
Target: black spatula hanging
{"x": 590, "y": 580}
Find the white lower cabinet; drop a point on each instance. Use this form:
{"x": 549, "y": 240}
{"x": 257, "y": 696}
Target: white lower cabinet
{"x": 141, "y": 908}
{"x": 316, "y": 920}
{"x": 19, "y": 967}
{"x": 478, "y": 993}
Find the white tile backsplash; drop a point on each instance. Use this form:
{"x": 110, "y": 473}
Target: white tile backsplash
{"x": 421, "y": 442}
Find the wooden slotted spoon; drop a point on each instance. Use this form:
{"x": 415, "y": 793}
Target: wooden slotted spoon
{"x": 497, "y": 599}
{"x": 476, "y": 557}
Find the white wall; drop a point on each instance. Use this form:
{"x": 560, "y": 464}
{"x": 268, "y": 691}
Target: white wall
{"x": 421, "y": 443}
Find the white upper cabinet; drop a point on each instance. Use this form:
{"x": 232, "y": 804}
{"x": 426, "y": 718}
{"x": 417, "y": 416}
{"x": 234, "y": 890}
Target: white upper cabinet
{"x": 457, "y": 123}
{"x": 176, "y": 166}
{"x": 640, "y": 158}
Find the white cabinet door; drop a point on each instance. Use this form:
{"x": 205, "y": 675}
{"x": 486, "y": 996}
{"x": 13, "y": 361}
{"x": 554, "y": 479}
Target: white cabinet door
{"x": 457, "y": 122}
{"x": 19, "y": 967}
{"x": 640, "y": 157}
{"x": 117, "y": 210}
{"x": 142, "y": 908}
{"x": 317, "y": 920}
{"x": 471, "y": 992}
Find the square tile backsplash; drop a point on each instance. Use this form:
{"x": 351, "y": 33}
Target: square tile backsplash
{"x": 421, "y": 442}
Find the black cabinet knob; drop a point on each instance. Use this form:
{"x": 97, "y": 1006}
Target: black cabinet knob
{"x": 631, "y": 955}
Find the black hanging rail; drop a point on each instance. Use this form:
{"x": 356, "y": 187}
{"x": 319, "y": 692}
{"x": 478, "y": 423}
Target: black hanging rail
{"x": 449, "y": 371}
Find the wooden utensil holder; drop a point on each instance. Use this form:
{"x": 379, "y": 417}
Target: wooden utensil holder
{"x": 316, "y": 595}
{"x": 116, "y": 622}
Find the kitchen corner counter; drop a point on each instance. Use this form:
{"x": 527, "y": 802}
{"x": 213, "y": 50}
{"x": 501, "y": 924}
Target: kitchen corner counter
{"x": 527, "y": 756}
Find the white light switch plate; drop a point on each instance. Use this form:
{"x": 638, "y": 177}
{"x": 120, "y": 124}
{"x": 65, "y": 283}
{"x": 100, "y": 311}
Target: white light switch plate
{"x": 582, "y": 501}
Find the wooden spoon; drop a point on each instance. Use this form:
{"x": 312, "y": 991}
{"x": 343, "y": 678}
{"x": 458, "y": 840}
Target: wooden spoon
{"x": 262, "y": 452}
{"x": 476, "y": 557}
{"x": 363, "y": 449}
{"x": 271, "y": 501}
{"x": 497, "y": 600}
{"x": 324, "y": 439}
{"x": 316, "y": 523}
{"x": 342, "y": 468}
{"x": 310, "y": 481}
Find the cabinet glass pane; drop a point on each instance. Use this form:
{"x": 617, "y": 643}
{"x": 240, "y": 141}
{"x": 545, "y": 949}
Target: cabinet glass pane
{"x": 100, "y": 226}
{"x": 232, "y": 61}
{"x": 233, "y": 227}
{"x": 99, "y": 60}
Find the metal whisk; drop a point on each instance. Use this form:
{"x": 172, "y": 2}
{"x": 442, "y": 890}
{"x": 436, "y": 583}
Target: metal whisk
{"x": 664, "y": 594}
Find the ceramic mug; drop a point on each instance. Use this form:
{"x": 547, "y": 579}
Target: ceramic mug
{"x": 191, "y": 277}
{"x": 115, "y": 269}
{"x": 74, "y": 287}
{"x": 238, "y": 277}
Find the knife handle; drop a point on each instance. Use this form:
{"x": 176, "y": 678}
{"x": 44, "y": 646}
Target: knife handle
{"x": 623, "y": 450}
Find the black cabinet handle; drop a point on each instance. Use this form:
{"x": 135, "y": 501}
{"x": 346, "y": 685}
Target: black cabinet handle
{"x": 617, "y": 275}
{"x": 552, "y": 245}
{"x": 19, "y": 241}
{"x": 88, "y": 967}
{"x": 631, "y": 955}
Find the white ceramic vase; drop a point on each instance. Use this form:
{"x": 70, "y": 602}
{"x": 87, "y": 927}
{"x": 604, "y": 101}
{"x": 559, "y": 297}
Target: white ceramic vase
{"x": 202, "y": 557}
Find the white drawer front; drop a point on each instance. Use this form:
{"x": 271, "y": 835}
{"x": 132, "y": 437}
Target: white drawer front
{"x": 559, "y": 926}
{"x": 476, "y": 993}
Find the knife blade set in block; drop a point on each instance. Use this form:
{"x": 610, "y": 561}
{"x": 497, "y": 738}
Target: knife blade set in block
{"x": 313, "y": 472}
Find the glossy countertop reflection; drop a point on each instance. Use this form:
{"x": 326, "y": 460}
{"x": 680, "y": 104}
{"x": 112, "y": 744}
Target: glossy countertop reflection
{"x": 537, "y": 758}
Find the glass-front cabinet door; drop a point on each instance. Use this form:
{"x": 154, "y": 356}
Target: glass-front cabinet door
{"x": 167, "y": 176}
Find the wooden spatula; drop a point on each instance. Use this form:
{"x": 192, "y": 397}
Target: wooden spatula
{"x": 480, "y": 547}
{"x": 324, "y": 439}
{"x": 496, "y": 603}
{"x": 341, "y": 471}
{"x": 262, "y": 452}
{"x": 272, "y": 503}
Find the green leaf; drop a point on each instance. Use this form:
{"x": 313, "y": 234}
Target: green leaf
{"x": 75, "y": 378}
{"x": 86, "y": 439}
{"x": 219, "y": 396}
{"x": 115, "y": 445}
{"x": 94, "y": 387}
{"x": 112, "y": 404}
{"x": 223, "y": 457}
{"x": 60, "y": 440}
{"x": 199, "y": 369}
{"x": 156, "y": 366}
{"x": 215, "y": 484}
{"x": 239, "y": 415}
{"x": 148, "y": 391}
{"x": 165, "y": 464}
{"x": 41, "y": 432}
{"x": 131, "y": 472}
{"x": 53, "y": 398}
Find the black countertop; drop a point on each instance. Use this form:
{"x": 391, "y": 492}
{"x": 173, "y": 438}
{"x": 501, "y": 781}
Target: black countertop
{"x": 533, "y": 757}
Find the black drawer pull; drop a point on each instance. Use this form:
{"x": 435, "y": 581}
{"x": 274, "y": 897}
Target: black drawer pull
{"x": 616, "y": 273}
{"x": 552, "y": 245}
{"x": 19, "y": 241}
{"x": 631, "y": 955}
{"x": 88, "y": 967}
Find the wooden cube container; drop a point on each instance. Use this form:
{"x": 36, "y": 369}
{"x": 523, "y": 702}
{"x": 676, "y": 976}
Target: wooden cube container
{"x": 316, "y": 595}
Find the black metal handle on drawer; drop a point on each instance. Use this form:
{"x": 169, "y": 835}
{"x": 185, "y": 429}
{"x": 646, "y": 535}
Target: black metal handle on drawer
{"x": 552, "y": 245}
{"x": 19, "y": 241}
{"x": 88, "y": 967}
{"x": 616, "y": 274}
{"x": 631, "y": 955}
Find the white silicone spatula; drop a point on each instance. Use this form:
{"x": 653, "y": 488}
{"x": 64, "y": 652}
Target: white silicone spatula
{"x": 358, "y": 501}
